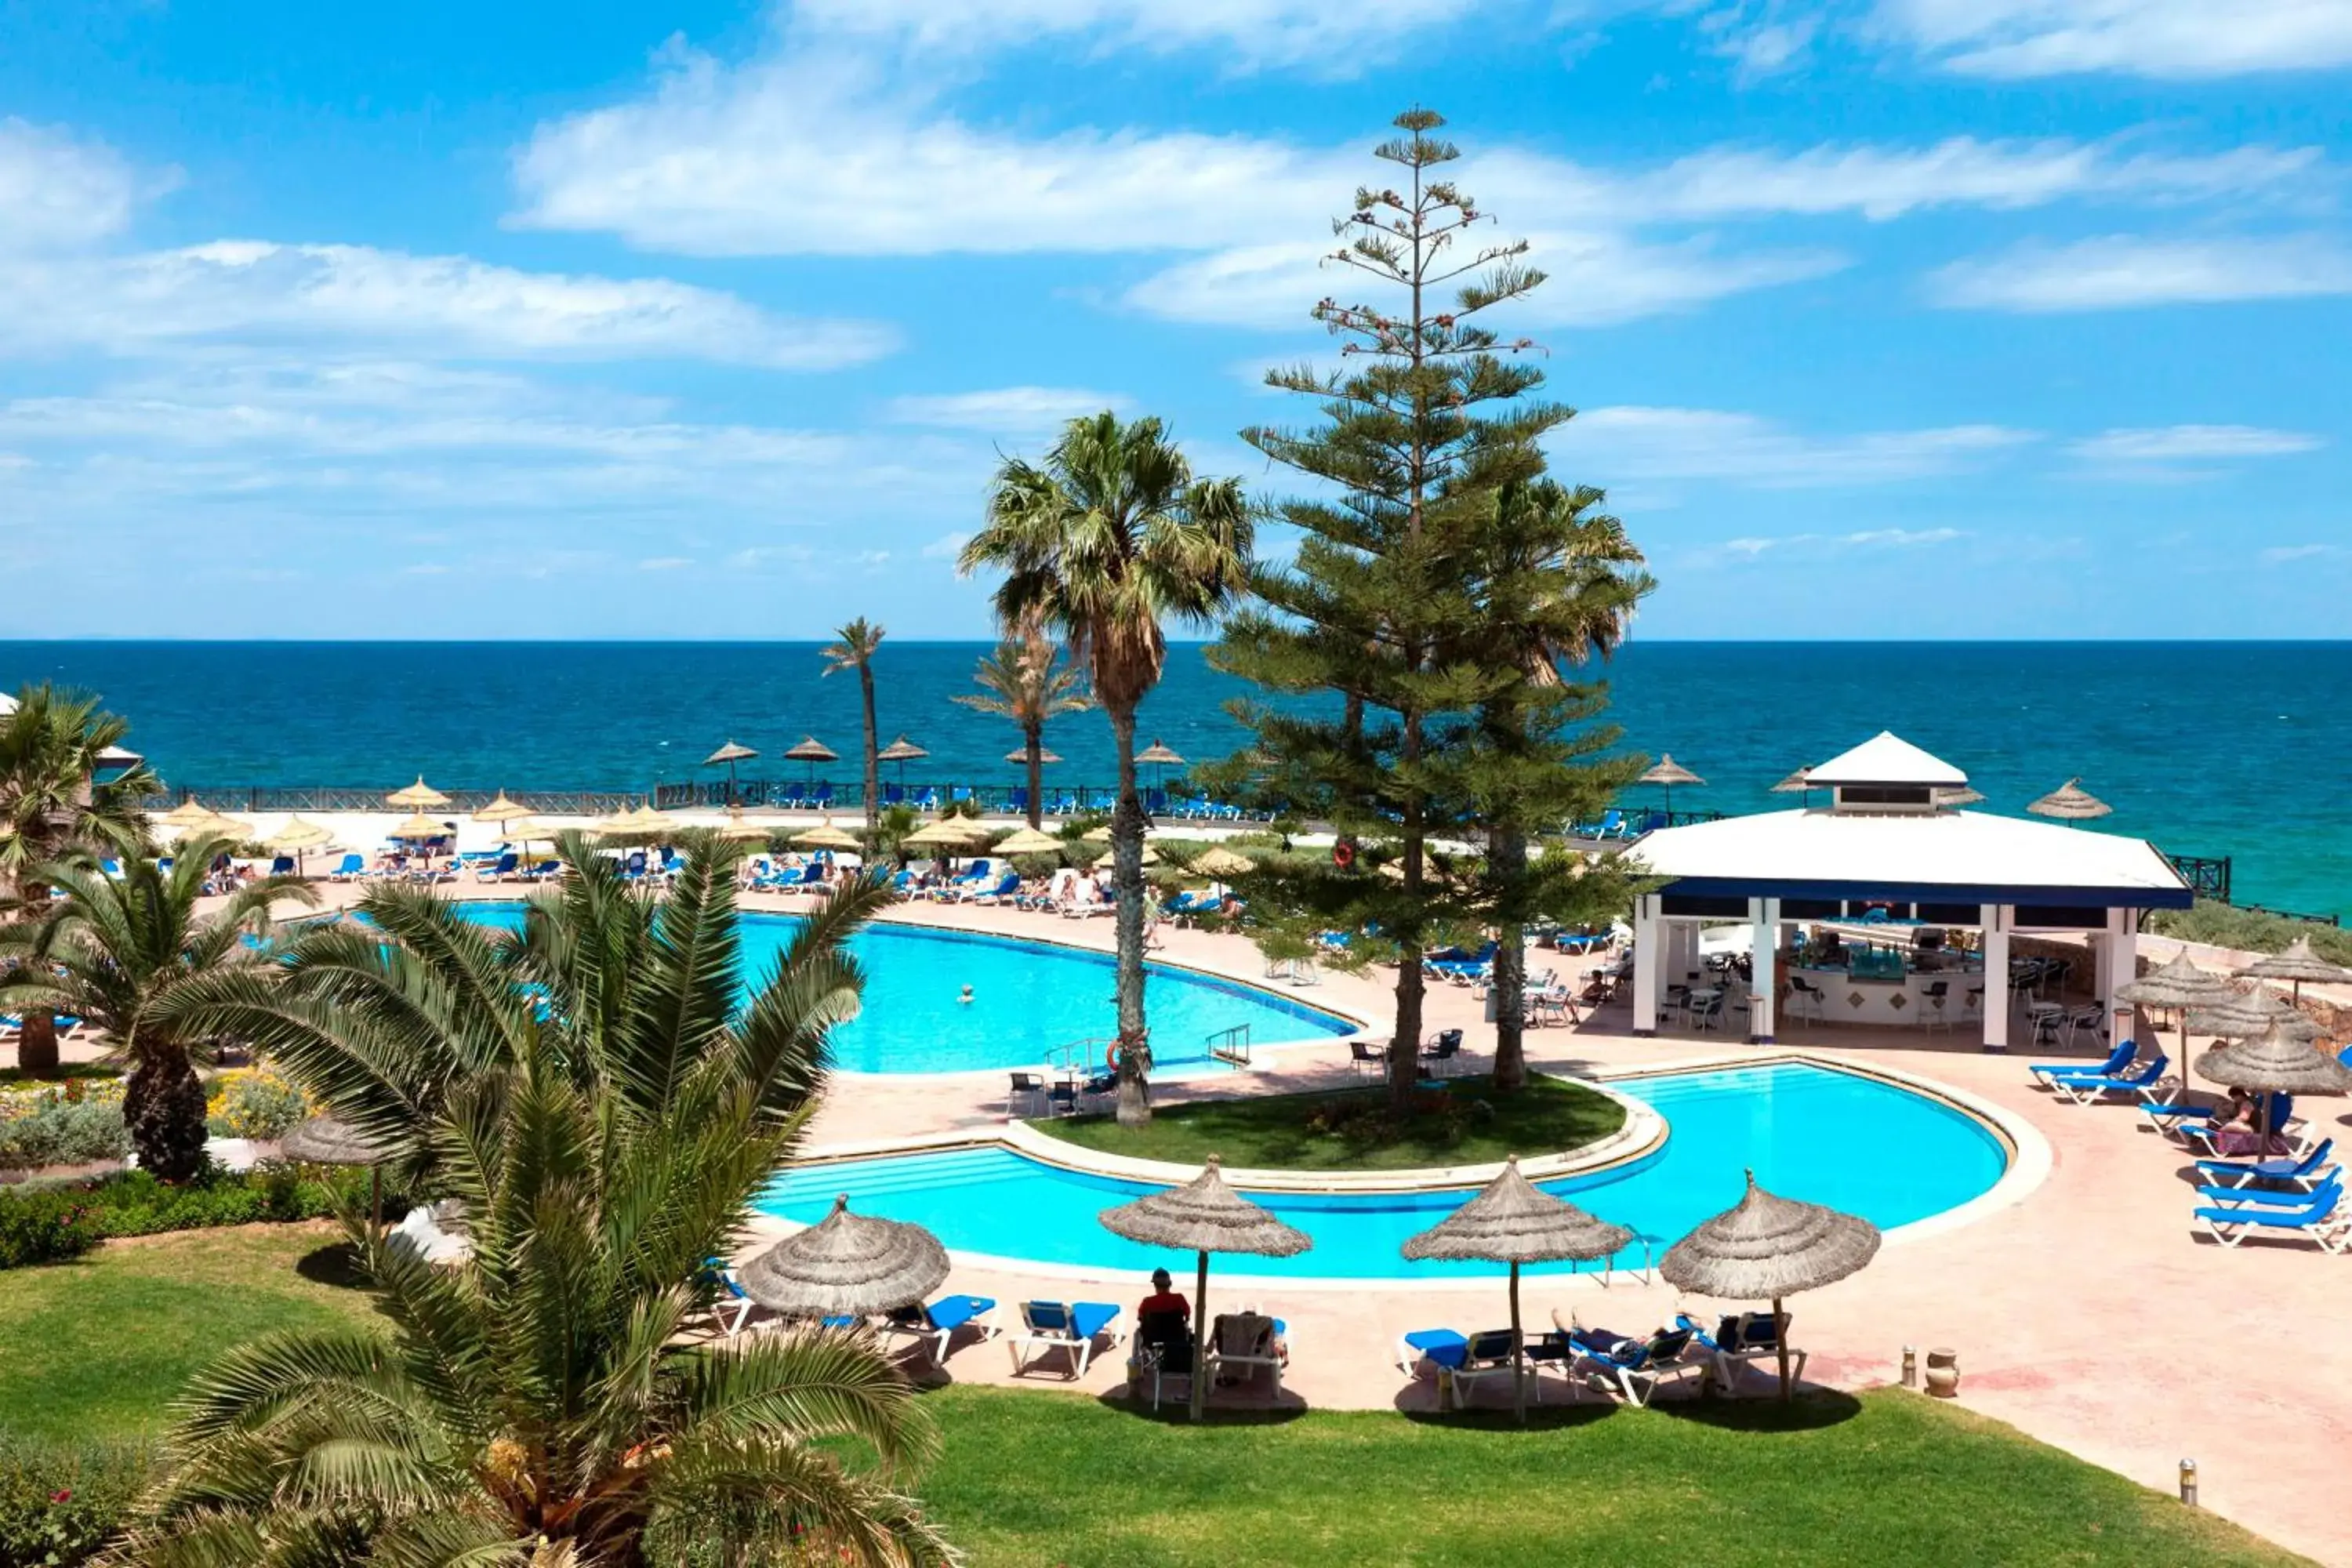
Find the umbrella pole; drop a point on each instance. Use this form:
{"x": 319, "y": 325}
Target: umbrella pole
{"x": 1518, "y": 1356}
{"x": 1200, "y": 1328}
{"x": 1781, "y": 1343}
{"x": 375, "y": 1199}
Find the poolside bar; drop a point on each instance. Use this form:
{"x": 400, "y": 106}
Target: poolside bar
{"x": 1889, "y": 906}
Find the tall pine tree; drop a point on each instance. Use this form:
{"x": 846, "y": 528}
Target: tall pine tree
{"x": 1425, "y": 598}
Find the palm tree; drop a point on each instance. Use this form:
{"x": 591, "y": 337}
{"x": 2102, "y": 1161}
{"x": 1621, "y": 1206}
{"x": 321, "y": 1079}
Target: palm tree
{"x": 113, "y": 949}
{"x": 52, "y": 748}
{"x": 1025, "y": 681}
{"x": 1107, "y": 540}
{"x": 605, "y": 1101}
{"x": 859, "y": 639}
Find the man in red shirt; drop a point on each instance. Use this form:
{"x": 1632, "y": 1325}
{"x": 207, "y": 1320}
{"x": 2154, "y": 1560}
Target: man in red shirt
{"x": 1163, "y": 1299}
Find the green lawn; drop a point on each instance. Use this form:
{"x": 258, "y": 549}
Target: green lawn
{"x": 1892, "y": 1479}
{"x": 1467, "y": 1125}
{"x": 94, "y": 1348}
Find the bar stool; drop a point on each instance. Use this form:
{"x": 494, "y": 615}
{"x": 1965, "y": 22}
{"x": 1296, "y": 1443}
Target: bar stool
{"x": 1937, "y": 999}
{"x": 1805, "y": 998}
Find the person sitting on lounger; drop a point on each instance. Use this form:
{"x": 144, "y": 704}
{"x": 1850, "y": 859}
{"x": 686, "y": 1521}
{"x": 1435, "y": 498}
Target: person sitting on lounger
{"x": 2237, "y": 1129}
{"x": 1163, "y": 1298}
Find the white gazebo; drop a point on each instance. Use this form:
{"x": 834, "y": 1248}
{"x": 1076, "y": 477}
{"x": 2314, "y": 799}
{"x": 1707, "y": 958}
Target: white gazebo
{"x": 1888, "y": 851}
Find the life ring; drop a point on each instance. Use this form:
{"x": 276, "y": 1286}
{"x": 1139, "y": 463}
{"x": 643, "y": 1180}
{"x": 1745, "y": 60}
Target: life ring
{"x": 1343, "y": 854}
{"x": 1110, "y": 1056}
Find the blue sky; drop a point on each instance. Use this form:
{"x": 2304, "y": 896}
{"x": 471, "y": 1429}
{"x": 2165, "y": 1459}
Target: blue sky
{"x": 1885, "y": 318}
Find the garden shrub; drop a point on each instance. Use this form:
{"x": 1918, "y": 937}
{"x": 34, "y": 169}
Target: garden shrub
{"x": 71, "y": 1123}
{"x": 60, "y": 1503}
{"x": 251, "y": 1104}
{"x": 44, "y": 1226}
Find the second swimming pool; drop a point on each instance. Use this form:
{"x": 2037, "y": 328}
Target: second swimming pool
{"x": 1809, "y": 1131}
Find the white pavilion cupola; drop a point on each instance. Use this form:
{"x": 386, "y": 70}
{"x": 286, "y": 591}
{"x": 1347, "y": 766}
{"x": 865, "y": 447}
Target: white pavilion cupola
{"x": 1886, "y": 775}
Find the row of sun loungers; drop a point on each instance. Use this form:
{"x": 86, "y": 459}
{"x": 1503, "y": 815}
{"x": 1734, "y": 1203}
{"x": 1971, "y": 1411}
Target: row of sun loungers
{"x": 1599, "y": 1359}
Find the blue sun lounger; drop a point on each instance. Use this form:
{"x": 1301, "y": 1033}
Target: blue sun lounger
{"x": 1461, "y": 1361}
{"x": 1637, "y": 1367}
{"x": 2117, "y": 1061}
{"x": 1074, "y": 1327}
{"x": 2315, "y": 1215}
{"x": 2091, "y": 1088}
{"x": 937, "y": 1324}
{"x": 2305, "y": 1173}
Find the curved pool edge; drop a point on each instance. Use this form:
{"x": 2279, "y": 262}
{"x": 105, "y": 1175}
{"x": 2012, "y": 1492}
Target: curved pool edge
{"x": 2029, "y": 1165}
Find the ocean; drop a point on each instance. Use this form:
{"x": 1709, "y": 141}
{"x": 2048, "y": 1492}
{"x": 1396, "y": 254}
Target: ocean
{"x": 2207, "y": 749}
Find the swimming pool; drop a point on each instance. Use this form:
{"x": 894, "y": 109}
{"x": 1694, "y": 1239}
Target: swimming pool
{"x": 1029, "y": 999}
{"x": 1855, "y": 1142}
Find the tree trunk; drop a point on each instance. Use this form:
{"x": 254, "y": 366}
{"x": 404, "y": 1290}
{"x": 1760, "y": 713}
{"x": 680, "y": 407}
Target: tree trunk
{"x": 1506, "y": 862}
{"x": 1032, "y": 737}
{"x": 163, "y": 1110}
{"x": 1405, "y": 1046}
{"x": 872, "y": 744}
{"x": 1127, "y": 875}
{"x": 37, "y": 1039}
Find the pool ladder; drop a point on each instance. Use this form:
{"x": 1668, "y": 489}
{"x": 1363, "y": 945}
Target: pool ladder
{"x": 1231, "y": 1046}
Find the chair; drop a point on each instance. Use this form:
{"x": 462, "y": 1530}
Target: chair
{"x": 2305, "y": 1173}
{"x": 1708, "y": 1013}
{"x": 1368, "y": 1060}
{"x": 936, "y": 1325}
{"x": 2090, "y": 1088}
{"x": 350, "y": 868}
{"x": 1637, "y": 1367}
{"x": 1248, "y": 1338}
{"x": 2117, "y": 1061}
{"x": 422, "y": 1231}
{"x": 1444, "y": 1047}
{"x": 1805, "y": 999}
{"x": 2093, "y": 1018}
{"x": 1936, "y": 1003}
{"x": 1742, "y": 1338}
{"x": 1162, "y": 1351}
{"x": 1033, "y": 1085}
{"x": 1460, "y": 1360}
{"x": 2316, "y": 1216}
{"x": 731, "y": 1303}
{"x": 1072, "y": 1327}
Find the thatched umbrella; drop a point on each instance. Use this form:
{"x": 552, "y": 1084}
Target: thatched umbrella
{"x": 1767, "y": 1248}
{"x": 420, "y": 827}
{"x": 847, "y": 1265}
{"x": 502, "y": 810}
{"x": 825, "y": 835}
{"x": 731, "y": 754}
{"x": 2071, "y": 803}
{"x": 1666, "y": 773}
{"x": 299, "y": 838}
{"x": 418, "y": 796}
{"x": 2243, "y": 1017}
{"x": 328, "y": 1141}
{"x": 2298, "y": 965}
{"x": 1220, "y": 862}
{"x": 1959, "y": 796}
{"x": 1204, "y": 1216}
{"x": 901, "y": 751}
{"x": 2179, "y": 985}
{"x": 1161, "y": 757}
{"x": 1046, "y": 757}
{"x": 2277, "y": 1062}
{"x": 1028, "y": 841}
{"x": 190, "y": 813}
{"x": 811, "y": 750}
{"x": 1513, "y": 1222}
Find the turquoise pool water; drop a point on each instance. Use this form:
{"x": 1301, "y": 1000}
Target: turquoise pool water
{"x": 1029, "y": 999}
{"x": 1838, "y": 1138}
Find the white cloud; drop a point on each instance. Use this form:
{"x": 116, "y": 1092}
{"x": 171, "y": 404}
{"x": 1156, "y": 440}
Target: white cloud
{"x": 665, "y": 563}
{"x": 1832, "y": 543}
{"x": 946, "y": 547}
{"x": 1334, "y": 38}
{"x": 2183, "y": 39}
{"x": 2192, "y": 443}
{"x": 2127, "y": 272}
{"x": 1608, "y": 445}
{"x": 2286, "y": 555}
{"x": 57, "y": 192}
{"x": 253, "y": 290}
{"x": 1006, "y": 410}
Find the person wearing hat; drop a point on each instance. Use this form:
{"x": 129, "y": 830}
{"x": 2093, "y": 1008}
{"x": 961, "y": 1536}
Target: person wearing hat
{"x": 1163, "y": 1299}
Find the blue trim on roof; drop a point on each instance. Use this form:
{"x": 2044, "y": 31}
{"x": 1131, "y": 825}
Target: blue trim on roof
{"x": 1933, "y": 892}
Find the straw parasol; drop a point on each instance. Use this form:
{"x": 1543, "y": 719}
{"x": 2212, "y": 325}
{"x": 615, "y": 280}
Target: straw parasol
{"x": 1161, "y": 757}
{"x": 328, "y": 1141}
{"x": 502, "y": 810}
{"x": 811, "y": 750}
{"x": 1102, "y": 834}
{"x": 1204, "y": 1216}
{"x": 2276, "y": 1062}
{"x": 2070, "y": 802}
{"x": 420, "y": 827}
{"x": 189, "y": 814}
{"x": 738, "y": 831}
{"x": 418, "y": 796}
{"x": 1767, "y": 1248}
{"x": 1150, "y": 857}
{"x": 1046, "y": 758}
{"x": 637, "y": 820}
{"x": 1512, "y": 1222}
{"x": 1798, "y": 782}
{"x": 901, "y": 750}
{"x": 1028, "y": 841}
{"x": 299, "y": 837}
{"x": 847, "y": 1265}
{"x": 2298, "y": 965}
{"x": 2257, "y": 1013}
{"x": 1666, "y": 773}
{"x": 947, "y": 832}
{"x": 825, "y": 835}
{"x": 2179, "y": 985}
{"x": 1962, "y": 795}
{"x": 731, "y": 754}
{"x": 1219, "y": 861}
